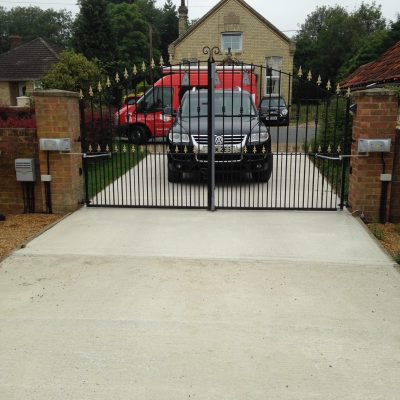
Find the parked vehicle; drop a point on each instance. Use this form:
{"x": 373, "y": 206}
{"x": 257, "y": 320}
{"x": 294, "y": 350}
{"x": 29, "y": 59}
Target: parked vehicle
{"x": 274, "y": 111}
{"x": 132, "y": 98}
{"x": 242, "y": 142}
{"x": 146, "y": 118}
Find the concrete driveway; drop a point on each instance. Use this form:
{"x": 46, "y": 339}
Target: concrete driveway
{"x": 171, "y": 304}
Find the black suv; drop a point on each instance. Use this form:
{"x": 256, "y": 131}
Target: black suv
{"x": 274, "y": 111}
{"x": 242, "y": 142}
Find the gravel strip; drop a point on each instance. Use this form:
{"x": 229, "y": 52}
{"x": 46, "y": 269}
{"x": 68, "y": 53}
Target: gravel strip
{"x": 17, "y": 229}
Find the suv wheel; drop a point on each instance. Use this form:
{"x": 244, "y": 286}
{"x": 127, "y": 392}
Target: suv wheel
{"x": 262, "y": 176}
{"x": 137, "y": 134}
{"x": 174, "y": 176}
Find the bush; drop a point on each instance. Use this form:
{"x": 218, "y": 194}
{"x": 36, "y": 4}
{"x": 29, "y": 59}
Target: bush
{"x": 13, "y": 117}
{"x": 397, "y": 258}
{"x": 332, "y": 124}
{"x": 99, "y": 129}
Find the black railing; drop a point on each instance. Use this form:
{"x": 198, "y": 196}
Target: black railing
{"x": 215, "y": 135}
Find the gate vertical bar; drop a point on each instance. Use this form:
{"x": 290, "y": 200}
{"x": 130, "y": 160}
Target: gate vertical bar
{"x": 211, "y": 130}
{"x": 84, "y": 148}
{"x": 346, "y": 151}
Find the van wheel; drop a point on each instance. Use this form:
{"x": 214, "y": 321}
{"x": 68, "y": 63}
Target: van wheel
{"x": 138, "y": 134}
{"x": 173, "y": 175}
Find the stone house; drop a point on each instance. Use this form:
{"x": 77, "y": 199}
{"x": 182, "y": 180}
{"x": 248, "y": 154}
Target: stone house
{"x": 23, "y": 67}
{"x": 233, "y": 26}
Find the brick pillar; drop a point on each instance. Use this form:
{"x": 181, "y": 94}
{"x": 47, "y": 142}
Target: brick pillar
{"x": 395, "y": 193}
{"x": 375, "y": 118}
{"x": 57, "y": 116}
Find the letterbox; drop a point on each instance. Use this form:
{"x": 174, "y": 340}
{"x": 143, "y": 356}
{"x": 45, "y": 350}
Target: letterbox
{"x": 374, "y": 145}
{"x": 25, "y": 169}
{"x": 55, "y": 144}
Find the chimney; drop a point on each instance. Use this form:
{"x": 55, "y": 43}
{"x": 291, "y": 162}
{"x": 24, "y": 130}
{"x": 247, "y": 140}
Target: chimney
{"x": 14, "y": 41}
{"x": 183, "y": 18}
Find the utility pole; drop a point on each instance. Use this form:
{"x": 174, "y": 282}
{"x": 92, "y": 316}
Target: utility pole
{"x": 151, "y": 53}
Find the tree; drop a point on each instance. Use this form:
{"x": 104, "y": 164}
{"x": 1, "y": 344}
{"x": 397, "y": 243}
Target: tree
{"x": 331, "y": 35}
{"x": 73, "y": 72}
{"x": 93, "y": 34}
{"x": 31, "y": 22}
{"x": 169, "y": 28}
{"x": 372, "y": 48}
{"x": 131, "y": 32}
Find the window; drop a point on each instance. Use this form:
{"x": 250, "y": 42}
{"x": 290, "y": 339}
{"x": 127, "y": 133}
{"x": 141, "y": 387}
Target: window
{"x": 37, "y": 85}
{"x": 157, "y": 98}
{"x": 233, "y": 41}
{"x": 273, "y": 75}
{"x": 190, "y": 61}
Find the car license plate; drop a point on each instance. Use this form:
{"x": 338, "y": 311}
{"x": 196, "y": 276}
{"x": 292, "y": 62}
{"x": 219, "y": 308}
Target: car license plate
{"x": 272, "y": 118}
{"x": 221, "y": 149}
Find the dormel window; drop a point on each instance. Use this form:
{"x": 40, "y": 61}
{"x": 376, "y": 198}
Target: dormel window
{"x": 232, "y": 41}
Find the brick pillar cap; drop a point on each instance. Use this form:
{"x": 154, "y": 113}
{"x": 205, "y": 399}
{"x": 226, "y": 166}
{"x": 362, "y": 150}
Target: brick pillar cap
{"x": 55, "y": 93}
{"x": 374, "y": 92}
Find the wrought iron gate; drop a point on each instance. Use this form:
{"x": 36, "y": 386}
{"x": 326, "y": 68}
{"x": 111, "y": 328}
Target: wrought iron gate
{"x": 206, "y": 134}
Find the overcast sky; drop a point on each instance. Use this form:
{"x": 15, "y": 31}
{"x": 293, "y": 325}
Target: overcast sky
{"x": 285, "y": 15}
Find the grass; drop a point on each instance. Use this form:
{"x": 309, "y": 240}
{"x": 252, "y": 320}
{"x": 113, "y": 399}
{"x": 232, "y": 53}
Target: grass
{"x": 377, "y": 231}
{"x": 104, "y": 170}
{"x": 389, "y": 236}
{"x": 307, "y": 113}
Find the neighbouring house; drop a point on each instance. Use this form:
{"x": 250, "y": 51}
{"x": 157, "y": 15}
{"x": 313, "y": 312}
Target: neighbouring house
{"x": 23, "y": 67}
{"x": 384, "y": 71}
{"x": 232, "y": 25}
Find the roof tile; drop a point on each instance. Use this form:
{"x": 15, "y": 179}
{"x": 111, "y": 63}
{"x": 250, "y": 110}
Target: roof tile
{"x": 29, "y": 61}
{"x": 385, "y": 69}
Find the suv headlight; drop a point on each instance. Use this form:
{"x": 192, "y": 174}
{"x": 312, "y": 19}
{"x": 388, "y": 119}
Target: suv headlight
{"x": 284, "y": 112}
{"x": 259, "y": 137}
{"x": 179, "y": 138}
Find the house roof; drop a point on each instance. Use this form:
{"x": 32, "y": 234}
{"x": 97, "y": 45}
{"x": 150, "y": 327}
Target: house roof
{"x": 29, "y": 61}
{"x": 220, "y": 5}
{"x": 386, "y": 69}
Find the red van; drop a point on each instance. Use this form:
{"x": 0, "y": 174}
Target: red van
{"x": 146, "y": 118}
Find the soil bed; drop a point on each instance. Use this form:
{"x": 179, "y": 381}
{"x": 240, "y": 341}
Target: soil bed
{"x": 389, "y": 236}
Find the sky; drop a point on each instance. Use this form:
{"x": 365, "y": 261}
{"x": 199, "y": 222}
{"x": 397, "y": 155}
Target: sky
{"x": 285, "y": 15}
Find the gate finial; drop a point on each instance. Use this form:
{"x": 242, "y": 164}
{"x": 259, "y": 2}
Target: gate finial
{"x": 300, "y": 73}
{"x": 328, "y": 85}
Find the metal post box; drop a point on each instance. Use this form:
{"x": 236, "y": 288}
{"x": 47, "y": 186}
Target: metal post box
{"x": 374, "y": 145}
{"x": 25, "y": 169}
{"x": 55, "y": 144}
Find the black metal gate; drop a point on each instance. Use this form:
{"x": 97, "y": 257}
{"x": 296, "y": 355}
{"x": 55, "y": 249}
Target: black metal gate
{"x": 207, "y": 134}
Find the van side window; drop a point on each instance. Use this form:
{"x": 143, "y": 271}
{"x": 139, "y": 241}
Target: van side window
{"x": 158, "y": 98}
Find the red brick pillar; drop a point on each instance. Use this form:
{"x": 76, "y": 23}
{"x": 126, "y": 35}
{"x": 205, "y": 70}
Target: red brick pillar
{"x": 395, "y": 192}
{"x": 57, "y": 116}
{"x": 375, "y": 118}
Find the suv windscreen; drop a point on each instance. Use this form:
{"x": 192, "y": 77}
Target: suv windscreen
{"x": 227, "y": 104}
{"x": 273, "y": 102}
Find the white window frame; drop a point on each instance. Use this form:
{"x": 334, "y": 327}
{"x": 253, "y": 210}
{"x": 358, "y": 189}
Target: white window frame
{"x": 226, "y": 34}
{"x": 274, "y": 80}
